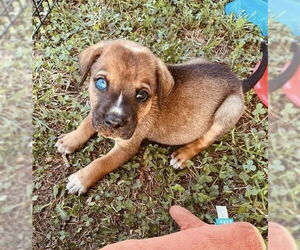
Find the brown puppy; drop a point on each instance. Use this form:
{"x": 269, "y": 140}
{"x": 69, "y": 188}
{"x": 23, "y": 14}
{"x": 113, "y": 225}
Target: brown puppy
{"x": 135, "y": 96}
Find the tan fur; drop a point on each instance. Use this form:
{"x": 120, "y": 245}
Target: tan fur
{"x": 77, "y": 138}
{"x": 196, "y": 111}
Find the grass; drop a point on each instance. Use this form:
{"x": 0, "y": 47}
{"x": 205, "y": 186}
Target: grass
{"x": 133, "y": 201}
{"x": 284, "y": 139}
{"x": 15, "y": 136}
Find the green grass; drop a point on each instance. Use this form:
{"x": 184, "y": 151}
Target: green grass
{"x": 284, "y": 139}
{"x": 133, "y": 201}
{"x": 15, "y": 135}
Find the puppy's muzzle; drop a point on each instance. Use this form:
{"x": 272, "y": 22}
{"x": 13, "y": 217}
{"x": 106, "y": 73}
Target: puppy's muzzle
{"x": 115, "y": 121}
{"x": 110, "y": 121}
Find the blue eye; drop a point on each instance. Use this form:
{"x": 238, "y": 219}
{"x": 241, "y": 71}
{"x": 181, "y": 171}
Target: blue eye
{"x": 101, "y": 84}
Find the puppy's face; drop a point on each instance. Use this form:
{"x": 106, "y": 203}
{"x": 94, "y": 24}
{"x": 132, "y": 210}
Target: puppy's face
{"x": 124, "y": 85}
{"x": 122, "y": 89}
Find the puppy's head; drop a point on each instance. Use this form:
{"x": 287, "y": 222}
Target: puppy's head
{"x": 126, "y": 82}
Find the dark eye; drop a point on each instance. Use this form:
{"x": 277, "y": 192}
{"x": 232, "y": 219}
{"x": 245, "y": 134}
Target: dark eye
{"x": 142, "y": 95}
{"x": 101, "y": 84}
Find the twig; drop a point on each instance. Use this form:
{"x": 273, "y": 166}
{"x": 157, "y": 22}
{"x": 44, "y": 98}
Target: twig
{"x": 64, "y": 156}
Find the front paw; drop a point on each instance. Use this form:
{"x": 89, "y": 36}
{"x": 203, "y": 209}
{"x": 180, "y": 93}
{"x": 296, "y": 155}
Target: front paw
{"x": 68, "y": 143}
{"x": 75, "y": 185}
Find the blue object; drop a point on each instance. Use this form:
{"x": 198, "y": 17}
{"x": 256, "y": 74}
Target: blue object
{"x": 221, "y": 221}
{"x": 255, "y": 11}
{"x": 101, "y": 84}
{"x": 286, "y": 12}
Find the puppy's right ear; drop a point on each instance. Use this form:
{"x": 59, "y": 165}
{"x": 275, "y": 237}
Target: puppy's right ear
{"x": 88, "y": 57}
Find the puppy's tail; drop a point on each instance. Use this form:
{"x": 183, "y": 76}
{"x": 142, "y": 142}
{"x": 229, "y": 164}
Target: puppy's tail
{"x": 281, "y": 79}
{"x": 250, "y": 82}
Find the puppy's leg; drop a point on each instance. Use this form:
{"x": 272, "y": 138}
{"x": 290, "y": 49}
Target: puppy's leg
{"x": 225, "y": 118}
{"x": 85, "y": 178}
{"x": 68, "y": 143}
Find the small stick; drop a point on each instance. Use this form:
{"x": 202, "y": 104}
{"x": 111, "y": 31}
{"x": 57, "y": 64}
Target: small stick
{"x": 64, "y": 156}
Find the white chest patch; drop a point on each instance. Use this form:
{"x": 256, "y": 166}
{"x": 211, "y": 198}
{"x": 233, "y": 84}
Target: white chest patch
{"x": 117, "y": 108}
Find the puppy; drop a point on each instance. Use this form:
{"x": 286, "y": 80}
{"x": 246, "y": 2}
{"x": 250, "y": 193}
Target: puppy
{"x": 135, "y": 96}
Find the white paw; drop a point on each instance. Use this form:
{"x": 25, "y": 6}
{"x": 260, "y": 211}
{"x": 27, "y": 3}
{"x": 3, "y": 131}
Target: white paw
{"x": 74, "y": 185}
{"x": 176, "y": 163}
{"x": 62, "y": 148}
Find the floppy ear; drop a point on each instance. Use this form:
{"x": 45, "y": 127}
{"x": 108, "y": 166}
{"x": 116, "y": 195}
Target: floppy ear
{"x": 88, "y": 57}
{"x": 165, "y": 81}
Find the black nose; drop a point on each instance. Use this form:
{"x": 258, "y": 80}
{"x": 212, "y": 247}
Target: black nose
{"x": 114, "y": 121}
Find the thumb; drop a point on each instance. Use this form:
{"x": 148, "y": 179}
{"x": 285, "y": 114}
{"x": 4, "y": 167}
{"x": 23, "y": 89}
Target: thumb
{"x": 280, "y": 238}
{"x": 184, "y": 218}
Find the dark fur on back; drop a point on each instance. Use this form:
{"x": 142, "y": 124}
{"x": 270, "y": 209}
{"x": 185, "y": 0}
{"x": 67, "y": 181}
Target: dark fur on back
{"x": 185, "y": 72}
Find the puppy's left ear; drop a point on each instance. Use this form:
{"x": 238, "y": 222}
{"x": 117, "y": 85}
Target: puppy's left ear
{"x": 165, "y": 81}
{"x": 88, "y": 57}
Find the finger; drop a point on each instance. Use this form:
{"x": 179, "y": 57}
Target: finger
{"x": 184, "y": 218}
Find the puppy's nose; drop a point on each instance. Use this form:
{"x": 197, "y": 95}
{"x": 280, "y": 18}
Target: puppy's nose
{"x": 114, "y": 121}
